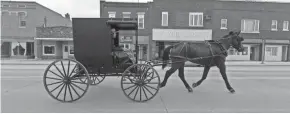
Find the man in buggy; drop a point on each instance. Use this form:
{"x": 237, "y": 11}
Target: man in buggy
{"x": 120, "y": 57}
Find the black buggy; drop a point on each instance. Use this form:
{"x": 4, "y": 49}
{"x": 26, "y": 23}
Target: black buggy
{"x": 98, "y": 55}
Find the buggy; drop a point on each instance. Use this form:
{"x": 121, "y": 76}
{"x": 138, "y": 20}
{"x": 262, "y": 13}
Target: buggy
{"x": 98, "y": 55}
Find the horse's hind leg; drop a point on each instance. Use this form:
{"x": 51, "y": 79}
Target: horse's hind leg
{"x": 204, "y": 75}
{"x": 181, "y": 76}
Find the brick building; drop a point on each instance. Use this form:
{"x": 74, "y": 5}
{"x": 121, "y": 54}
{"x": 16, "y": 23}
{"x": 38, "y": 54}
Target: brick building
{"x": 18, "y": 27}
{"x": 131, "y": 10}
{"x": 180, "y": 20}
{"x": 258, "y": 21}
{"x": 199, "y": 20}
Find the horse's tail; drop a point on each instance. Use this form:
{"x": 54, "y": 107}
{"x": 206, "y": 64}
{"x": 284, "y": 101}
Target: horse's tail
{"x": 166, "y": 56}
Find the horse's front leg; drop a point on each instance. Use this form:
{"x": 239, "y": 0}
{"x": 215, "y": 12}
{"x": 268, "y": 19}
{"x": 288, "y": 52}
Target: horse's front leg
{"x": 222, "y": 68}
{"x": 167, "y": 75}
{"x": 181, "y": 76}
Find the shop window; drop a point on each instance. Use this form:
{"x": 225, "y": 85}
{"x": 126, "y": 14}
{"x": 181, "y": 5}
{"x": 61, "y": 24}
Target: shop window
{"x": 49, "y": 50}
{"x": 272, "y": 51}
{"x": 245, "y": 52}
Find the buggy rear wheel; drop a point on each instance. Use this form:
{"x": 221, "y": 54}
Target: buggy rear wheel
{"x": 63, "y": 83}
{"x": 140, "y": 82}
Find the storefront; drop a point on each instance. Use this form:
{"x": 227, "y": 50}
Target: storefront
{"x": 54, "y": 43}
{"x": 167, "y": 37}
{"x": 17, "y": 47}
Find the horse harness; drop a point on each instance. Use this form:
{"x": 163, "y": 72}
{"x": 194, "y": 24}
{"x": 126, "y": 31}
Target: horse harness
{"x": 208, "y": 42}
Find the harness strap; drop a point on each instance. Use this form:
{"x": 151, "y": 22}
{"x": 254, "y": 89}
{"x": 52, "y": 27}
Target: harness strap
{"x": 224, "y": 51}
{"x": 210, "y": 49}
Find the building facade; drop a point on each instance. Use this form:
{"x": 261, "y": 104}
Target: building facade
{"x": 173, "y": 21}
{"x": 198, "y": 20}
{"x": 54, "y": 42}
{"x": 139, "y": 11}
{"x": 18, "y": 27}
{"x": 259, "y": 22}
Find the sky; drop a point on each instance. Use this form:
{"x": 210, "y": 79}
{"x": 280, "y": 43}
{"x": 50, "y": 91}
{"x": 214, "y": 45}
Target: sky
{"x": 84, "y": 8}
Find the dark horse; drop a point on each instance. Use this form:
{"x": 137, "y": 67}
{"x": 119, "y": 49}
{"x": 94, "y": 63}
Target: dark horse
{"x": 208, "y": 54}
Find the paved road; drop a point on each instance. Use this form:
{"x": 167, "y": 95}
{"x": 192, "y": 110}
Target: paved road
{"x": 258, "y": 89}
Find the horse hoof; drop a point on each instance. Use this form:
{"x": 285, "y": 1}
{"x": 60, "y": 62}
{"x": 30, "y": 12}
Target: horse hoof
{"x": 190, "y": 90}
{"x": 161, "y": 86}
{"x": 194, "y": 85}
{"x": 232, "y": 90}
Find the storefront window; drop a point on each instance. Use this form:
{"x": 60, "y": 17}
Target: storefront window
{"x": 49, "y": 50}
{"x": 272, "y": 51}
{"x": 245, "y": 52}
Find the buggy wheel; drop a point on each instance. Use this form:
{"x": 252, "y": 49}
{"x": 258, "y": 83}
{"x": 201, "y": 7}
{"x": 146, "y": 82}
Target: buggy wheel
{"x": 95, "y": 79}
{"x": 61, "y": 80}
{"x": 140, "y": 82}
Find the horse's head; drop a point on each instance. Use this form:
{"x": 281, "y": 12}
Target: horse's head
{"x": 236, "y": 41}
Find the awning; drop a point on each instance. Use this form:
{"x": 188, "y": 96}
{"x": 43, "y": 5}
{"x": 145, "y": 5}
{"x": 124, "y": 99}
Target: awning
{"x": 55, "y": 39}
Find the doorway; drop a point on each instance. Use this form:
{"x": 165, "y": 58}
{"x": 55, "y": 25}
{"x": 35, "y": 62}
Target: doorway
{"x": 65, "y": 52}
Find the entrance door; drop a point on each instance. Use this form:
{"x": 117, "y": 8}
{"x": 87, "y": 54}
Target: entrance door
{"x": 284, "y": 53}
{"x": 65, "y": 51}
{"x": 252, "y": 54}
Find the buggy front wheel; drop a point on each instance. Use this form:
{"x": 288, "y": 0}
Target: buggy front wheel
{"x": 140, "y": 82}
{"x": 62, "y": 81}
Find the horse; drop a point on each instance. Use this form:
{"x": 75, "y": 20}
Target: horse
{"x": 208, "y": 54}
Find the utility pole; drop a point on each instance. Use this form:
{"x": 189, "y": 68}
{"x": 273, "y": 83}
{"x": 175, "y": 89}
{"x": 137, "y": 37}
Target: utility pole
{"x": 263, "y": 50}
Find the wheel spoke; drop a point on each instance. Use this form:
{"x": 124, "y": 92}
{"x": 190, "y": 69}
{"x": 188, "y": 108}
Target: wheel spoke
{"x": 74, "y": 90}
{"x": 148, "y": 90}
{"x": 97, "y": 78}
{"x": 68, "y": 68}
{"x": 58, "y": 70}
{"x": 55, "y": 74}
{"x": 65, "y": 92}
{"x": 72, "y": 70}
{"x": 140, "y": 93}
{"x": 130, "y": 87}
{"x": 56, "y": 87}
{"x": 144, "y": 92}
{"x": 132, "y": 90}
{"x": 151, "y": 87}
{"x": 53, "y": 78}
{"x": 136, "y": 92}
{"x": 76, "y": 74}
{"x": 63, "y": 68}
{"x": 60, "y": 90}
{"x": 54, "y": 83}
{"x": 70, "y": 92}
{"x": 78, "y": 86}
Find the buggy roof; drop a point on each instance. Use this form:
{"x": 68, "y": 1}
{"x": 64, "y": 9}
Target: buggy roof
{"x": 121, "y": 24}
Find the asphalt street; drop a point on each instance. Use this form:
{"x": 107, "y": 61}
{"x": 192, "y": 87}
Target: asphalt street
{"x": 258, "y": 89}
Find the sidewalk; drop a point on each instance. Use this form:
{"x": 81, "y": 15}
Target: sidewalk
{"x": 229, "y": 63}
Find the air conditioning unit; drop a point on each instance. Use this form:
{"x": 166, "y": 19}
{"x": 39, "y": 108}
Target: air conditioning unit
{"x": 207, "y": 17}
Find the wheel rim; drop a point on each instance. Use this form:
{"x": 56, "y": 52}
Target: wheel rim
{"x": 61, "y": 80}
{"x": 140, "y": 86}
